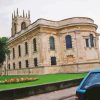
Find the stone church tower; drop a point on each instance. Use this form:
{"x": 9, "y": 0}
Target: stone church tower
{"x": 19, "y": 22}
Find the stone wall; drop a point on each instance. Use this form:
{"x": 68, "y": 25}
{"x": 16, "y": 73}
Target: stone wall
{"x": 71, "y": 68}
{"x": 79, "y": 28}
{"x": 24, "y": 71}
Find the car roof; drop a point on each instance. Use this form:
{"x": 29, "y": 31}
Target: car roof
{"x": 96, "y": 70}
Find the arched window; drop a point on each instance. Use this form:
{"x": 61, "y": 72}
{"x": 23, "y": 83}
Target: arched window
{"x": 27, "y": 63}
{"x": 68, "y": 41}
{"x": 26, "y": 48}
{"x": 19, "y": 50}
{"x": 20, "y": 64}
{"x": 13, "y": 65}
{"x": 13, "y": 53}
{"x": 23, "y": 25}
{"x": 91, "y": 40}
{"x": 8, "y": 66}
{"x": 52, "y": 43}
{"x": 35, "y": 62}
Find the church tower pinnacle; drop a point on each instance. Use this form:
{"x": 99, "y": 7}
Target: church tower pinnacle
{"x": 20, "y": 22}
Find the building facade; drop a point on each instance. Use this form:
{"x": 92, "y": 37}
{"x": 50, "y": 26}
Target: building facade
{"x": 45, "y": 46}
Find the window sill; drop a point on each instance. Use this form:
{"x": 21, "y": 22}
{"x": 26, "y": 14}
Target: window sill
{"x": 90, "y": 47}
{"x": 53, "y": 65}
{"x": 34, "y": 51}
{"x": 52, "y": 50}
{"x": 69, "y": 48}
{"x": 26, "y": 54}
{"x": 13, "y": 59}
{"x": 19, "y": 56}
{"x": 36, "y": 66}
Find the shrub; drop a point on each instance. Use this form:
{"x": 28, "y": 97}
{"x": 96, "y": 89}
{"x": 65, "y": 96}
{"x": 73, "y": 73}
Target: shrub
{"x": 18, "y": 80}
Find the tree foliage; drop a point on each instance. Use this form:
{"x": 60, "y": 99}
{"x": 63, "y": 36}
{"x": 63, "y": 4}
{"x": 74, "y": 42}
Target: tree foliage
{"x": 3, "y": 49}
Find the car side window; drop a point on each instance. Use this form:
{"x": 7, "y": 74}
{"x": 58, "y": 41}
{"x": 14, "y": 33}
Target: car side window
{"x": 93, "y": 78}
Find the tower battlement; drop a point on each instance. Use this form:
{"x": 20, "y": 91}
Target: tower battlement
{"x": 24, "y": 15}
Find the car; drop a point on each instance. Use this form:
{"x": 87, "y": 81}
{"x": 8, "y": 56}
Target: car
{"x": 89, "y": 88}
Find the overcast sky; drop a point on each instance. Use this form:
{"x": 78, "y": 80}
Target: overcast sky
{"x": 49, "y": 9}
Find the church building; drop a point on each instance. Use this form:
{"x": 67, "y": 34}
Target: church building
{"x": 46, "y": 46}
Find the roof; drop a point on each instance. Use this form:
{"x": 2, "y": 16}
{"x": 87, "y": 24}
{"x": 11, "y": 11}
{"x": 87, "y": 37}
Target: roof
{"x": 96, "y": 70}
{"x": 55, "y": 24}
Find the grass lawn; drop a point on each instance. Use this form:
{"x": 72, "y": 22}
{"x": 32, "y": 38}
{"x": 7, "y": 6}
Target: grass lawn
{"x": 43, "y": 79}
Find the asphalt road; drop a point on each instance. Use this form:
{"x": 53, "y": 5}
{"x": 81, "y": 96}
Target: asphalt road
{"x": 71, "y": 98}
{"x": 65, "y": 94}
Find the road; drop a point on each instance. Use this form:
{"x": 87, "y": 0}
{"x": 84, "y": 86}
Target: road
{"x": 65, "y": 94}
{"x": 70, "y": 98}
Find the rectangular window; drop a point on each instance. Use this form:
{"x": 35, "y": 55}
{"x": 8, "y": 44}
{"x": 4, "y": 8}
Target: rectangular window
{"x": 20, "y": 65}
{"x": 26, "y": 48}
{"x": 87, "y": 42}
{"x": 27, "y": 64}
{"x": 35, "y": 62}
{"x": 53, "y": 60}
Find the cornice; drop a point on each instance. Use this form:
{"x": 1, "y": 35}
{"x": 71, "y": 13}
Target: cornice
{"x": 75, "y": 21}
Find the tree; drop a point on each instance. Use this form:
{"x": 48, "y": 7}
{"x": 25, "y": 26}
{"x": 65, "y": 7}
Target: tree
{"x": 3, "y": 49}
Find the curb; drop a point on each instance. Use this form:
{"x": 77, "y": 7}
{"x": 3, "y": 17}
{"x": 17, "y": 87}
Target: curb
{"x": 65, "y": 97}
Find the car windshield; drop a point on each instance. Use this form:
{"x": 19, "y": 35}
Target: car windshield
{"x": 93, "y": 78}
